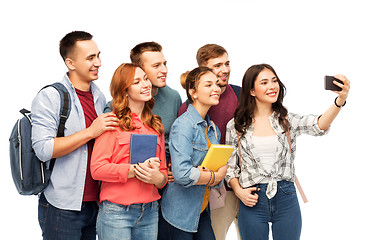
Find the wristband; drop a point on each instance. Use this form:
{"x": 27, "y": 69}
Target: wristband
{"x": 214, "y": 178}
{"x": 210, "y": 179}
{"x": 338, "y": 105}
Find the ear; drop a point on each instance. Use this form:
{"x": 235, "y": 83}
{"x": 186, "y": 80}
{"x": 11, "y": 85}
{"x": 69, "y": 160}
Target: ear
{"x": 70, "y": 64}
{"x": 252, "y": 93}
{"x": 192, "y": 94}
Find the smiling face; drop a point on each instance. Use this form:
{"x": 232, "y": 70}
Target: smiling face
{"x": 207, "y": 92}
{"x": 84, "y": 61}
{"x": 154, "y": 64}
{"x": 266, "y": 87}
{"x": 221, "y": 67}
{"x": 140, "y": 90}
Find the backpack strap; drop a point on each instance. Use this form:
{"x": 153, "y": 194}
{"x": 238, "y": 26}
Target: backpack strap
{"x": 297, "y": 183}
{"x": 65, "y": 106}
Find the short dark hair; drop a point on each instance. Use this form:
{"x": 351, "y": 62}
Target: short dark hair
{"x": 208, "y": 52}
{"x": 138, "y": 50}
{"x": 67, "y": 43}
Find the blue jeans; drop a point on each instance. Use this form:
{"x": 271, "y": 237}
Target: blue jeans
{"x": 136, "y": 221}
{"x": 205, "y": 231}
{"x": 58, "y": 224}
{"x": 282, "y": 211}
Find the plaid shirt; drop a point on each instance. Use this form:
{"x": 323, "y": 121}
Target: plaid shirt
{"x": 250, "y": 170}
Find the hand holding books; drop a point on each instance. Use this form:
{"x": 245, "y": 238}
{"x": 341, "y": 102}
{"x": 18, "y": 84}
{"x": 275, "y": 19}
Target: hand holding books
{"x": 215, "y": 177}
{"x": 217, "y": 156}
{"x": 215, "y": 164}
{"x": 149, "y": 172}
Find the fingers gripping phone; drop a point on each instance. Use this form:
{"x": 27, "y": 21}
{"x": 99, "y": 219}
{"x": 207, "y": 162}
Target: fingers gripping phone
{"x": 329, "y": 85}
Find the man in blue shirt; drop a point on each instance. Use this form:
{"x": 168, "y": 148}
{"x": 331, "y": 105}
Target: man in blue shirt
{"x": 65, "y": 210}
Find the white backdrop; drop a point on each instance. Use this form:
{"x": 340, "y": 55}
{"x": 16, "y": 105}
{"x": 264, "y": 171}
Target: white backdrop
{"x": 303, "y": 41}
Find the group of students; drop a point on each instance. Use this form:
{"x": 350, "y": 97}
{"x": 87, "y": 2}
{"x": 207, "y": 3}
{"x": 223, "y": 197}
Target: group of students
{"x": 94, "y": 188}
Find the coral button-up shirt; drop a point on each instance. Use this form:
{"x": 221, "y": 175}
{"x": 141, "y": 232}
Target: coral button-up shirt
{"x": 110, "y": 164}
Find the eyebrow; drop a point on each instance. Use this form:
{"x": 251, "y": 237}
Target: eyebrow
{"x": 94, "y": 55}
{"x": 159, "y": 63}
{"x": 266, "y": 79}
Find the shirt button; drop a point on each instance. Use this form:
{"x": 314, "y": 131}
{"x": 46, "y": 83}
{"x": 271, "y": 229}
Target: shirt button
{"x": 83, "y": 170}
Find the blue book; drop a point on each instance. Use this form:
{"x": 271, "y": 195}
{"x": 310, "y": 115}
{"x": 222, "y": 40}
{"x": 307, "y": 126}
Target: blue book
{"x": 142, "y": 147}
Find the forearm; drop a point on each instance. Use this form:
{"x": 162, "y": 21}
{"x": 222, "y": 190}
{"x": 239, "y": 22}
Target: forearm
{"x": 66, "y": 145}
{"x": 105, "y": 171}
{"x": 329, "y": 116}
{"x": 204, "y": 178}
{"x": 234, "y": 183}
{"x": 162, "y": 181}
{"x": 210, "y": 178}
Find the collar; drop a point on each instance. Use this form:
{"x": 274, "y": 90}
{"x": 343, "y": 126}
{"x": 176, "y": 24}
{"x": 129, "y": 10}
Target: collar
{"x": 94, "y": 89}
{"x": 274, "y": 121}
{"x": 197, "y": 117}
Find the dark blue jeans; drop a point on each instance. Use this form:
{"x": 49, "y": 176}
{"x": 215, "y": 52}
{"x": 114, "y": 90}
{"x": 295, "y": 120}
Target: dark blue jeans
{"x": 205, "y": 231}
{"x": 282, "y": 211}
{"x": 58, "y": 224}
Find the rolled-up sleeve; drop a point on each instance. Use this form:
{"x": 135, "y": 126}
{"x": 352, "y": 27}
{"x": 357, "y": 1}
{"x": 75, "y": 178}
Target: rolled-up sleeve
{"x": 307, "y": 124}
{"x": 181, "y": 150}
{"x": 45, "y": 120}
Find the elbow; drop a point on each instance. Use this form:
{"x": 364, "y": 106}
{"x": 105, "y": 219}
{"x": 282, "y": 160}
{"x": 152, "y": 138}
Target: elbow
{"x": 94, "y": 172}
{"x": 323, "y": 127}
{"x": 184, "y": 181}
{"x": 187, "y": 179}
{"x": 43, "y": 150}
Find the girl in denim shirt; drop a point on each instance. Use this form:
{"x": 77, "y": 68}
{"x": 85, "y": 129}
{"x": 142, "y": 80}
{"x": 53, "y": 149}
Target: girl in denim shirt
{"x": 185, "y": 201}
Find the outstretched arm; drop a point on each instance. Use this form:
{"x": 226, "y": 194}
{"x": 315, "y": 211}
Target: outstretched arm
{"x": 327, "y": 118}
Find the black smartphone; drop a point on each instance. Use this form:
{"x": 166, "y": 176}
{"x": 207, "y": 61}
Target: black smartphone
{"x": 329, "y": 85}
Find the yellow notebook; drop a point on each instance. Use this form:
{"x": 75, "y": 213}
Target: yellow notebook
{"x": 217, "y": 156}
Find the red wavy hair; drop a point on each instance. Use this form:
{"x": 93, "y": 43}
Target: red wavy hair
{"x": 121, "y": 80}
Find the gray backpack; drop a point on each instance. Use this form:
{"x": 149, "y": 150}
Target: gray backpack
{"x": 30, "y": 175}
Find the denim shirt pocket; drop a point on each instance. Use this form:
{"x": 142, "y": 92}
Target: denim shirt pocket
{"x": 199, "y": 152}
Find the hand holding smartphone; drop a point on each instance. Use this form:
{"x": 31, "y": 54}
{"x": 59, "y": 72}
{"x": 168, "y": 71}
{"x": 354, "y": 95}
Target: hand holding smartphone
{"x": 329, "y": 85}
